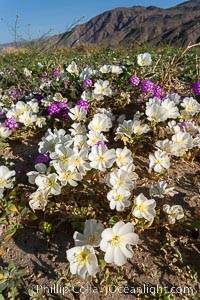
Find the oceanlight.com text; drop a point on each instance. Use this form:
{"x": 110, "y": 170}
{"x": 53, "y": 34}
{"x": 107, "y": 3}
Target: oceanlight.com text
{"x": 144, "y": 289}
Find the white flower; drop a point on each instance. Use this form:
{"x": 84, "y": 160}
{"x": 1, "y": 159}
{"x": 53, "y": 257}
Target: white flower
{"x": 100, "y": 122}
{"x": 144, "y": 208}
{"x": 191, "y": 106}
{"x": 156, "y": 113}
{"x": 119, "y": 198}
{"x": 163, "y": 145}
{"x": 117, "y": 241}
{"x": 27, "y": 72}
{"x": 101, "y": 158}
{"x": 159, "y": 161}
{"x": 175, "y": 212}
{"x": 67, "y": 176}
{"x": 77, "y": 128}
{"x": 6, "y": 178}
{"x": 102, "y": 88}
{"x": 72, "y": 68}
{"x": 77, "y": 113}
{"x": 119, "y": 178}
{"x": 41, "y": 121}
{"x": 28, "y": 119}
{"x": 181, "y": 142}
{"x": 4, "y": 131}
{"x": 116, "y": 69}
{"x": 171, "y": 110}
{"x": 41, "y": 168}
{"x": 160, "y": 190}
{"x": 105, "y": 69}
{"x": 48, "y": 183}
{"x": 80, "y": 161}
{"x": 38, "y": 200}
{"x": 139, "y": 128}
{"x": 144, "y": 59}
{"x": 126, "y": 128}
{"x": 91, "y": 234}
{"x": 94, "y": 137}
{"x": 62, "y": 155}
{"x": 83, "y": 261}
{"x": 124, "y": 157}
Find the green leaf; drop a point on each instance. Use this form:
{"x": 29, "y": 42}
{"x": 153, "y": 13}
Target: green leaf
{"x": 2, "y": 297}
{"x": 196, "y": 224}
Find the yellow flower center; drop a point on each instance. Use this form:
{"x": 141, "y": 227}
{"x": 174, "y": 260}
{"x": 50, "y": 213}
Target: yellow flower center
{"x": 142, "y": 207}
{"x": 51, "y": 182}
{"x": 2, "y": 182}
{"x": 93, "y": 238}
{"x": 83, "y": 257}
{"x": 115, "y": 240}
{"x": 118, "y": 197}
{"x": 101, "y": 159}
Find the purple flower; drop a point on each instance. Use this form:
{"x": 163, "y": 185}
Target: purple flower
{"x": 83, "y": 103}
{"x": 14, "y": 93}
{"x": 42, "y": 158}
{"x": 58, "y": 110}
{"x": 100, "y": 143}
{"x": 11, "y": 123}
{"x": 157, "y": 89}
{"x": 196, "y": 88}
{"x": 146, "y": 86}
{"x": 183, "y": 125}
{"x": 53, "y": 109}
{"x": 134, "y": 80}
{"x": 43, "y": 75}
{"x": 2, "y": 114}
{"x": 56, "y": 73}
{"x": 87, "y": 83}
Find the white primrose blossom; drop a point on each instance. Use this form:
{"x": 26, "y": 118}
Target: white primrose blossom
{"x": 48, "y": 183}
{"x": 77, "y": 113}
{"x": 119, "y": 198}
{"x": 117, "y": 241}
{"x": 144, "y": 208}
{"x": 94, "y": 137}
{"x": 181, "y": 142}
{"x": 144, "y": 59}
{"x": 4, "y": 131}
{"x": 101, "y": 158}
{"x": 160, "y": 190}
{"x": 124, "y": 157}
{"x": 139, "y": 128}
{"x": 67, "y": 176}
{"x": 38, "y": 200}
{"x": 91, "y": 234}
{"x": 191, "y": 106}
{"x": 159, "y": 161}
{"x": 174, "y": 212}
{"x": 83, "y": 261}
{"x": 6, "y": 179}
{"x": 102, "y": 88}
{"x": 73, "y": 68}
{"x": 100, "y": 122}
{"x": 126, "y": 128}
{"x": 119, "y": 178}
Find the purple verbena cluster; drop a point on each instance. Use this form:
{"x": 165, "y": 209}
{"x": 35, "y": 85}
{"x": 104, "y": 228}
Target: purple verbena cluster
{"x": 42, "y": 159}
{"x": 59, "y": 110}
{"x": 87, "y": 83}
{"x": 134, "y": 80}
{"x": 11, "y": 123}
{"x": 15, "y": 94}
{"x": 83, "y": 103}
{"x": 147, "y": 86}
{"x": 196, "y": 88}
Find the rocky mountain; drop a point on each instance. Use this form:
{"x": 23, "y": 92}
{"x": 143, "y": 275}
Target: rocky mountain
{"x": 178, "y": 25}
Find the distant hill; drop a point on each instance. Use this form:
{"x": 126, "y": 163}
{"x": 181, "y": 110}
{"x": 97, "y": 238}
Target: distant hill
{"x": 122, "y": 26}
{"x": 178, "y": 25}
